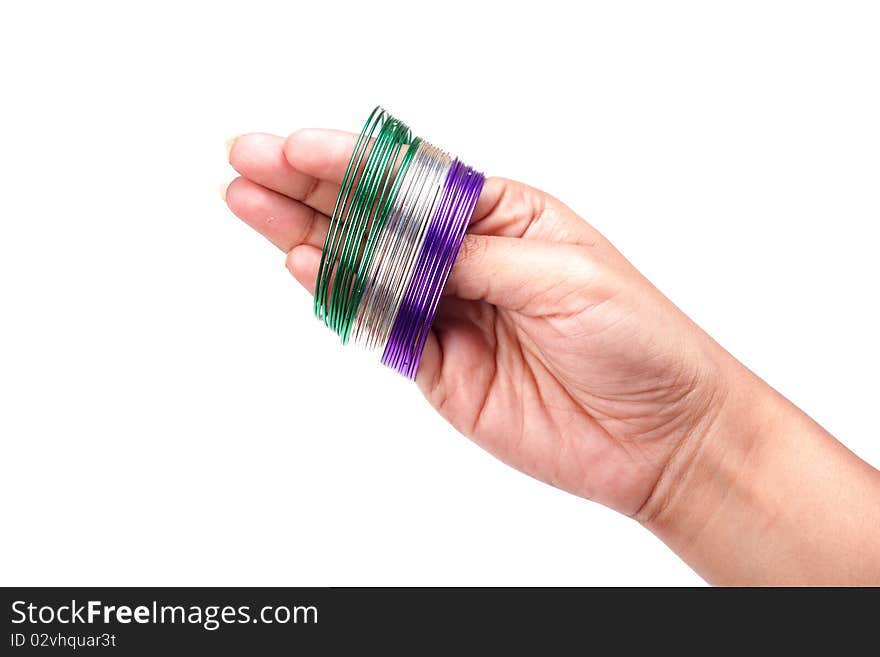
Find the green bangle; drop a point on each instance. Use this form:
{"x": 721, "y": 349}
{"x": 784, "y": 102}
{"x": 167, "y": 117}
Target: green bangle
{"x": 341, "y": 209}
{"x": 367, "y": 196}
{"x": 370, "y": 184}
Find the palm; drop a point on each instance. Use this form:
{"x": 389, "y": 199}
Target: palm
{"x": 556, "y": 374}
{"x": 557, "y": 386}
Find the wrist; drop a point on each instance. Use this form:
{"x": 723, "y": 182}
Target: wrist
{"x": 711, "y": 478}
{"x": 761, "y": 494}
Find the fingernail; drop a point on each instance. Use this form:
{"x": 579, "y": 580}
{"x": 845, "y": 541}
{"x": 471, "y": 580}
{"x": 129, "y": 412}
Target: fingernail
{"x": 229, "y": 144}
{"x": 223, "y": 189}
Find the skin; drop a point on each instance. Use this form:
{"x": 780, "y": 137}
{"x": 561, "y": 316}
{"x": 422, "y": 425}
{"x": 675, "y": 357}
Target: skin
{"x": 552, "y": 352}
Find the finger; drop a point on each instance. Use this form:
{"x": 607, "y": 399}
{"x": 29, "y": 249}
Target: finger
{"x": 261, "y": 158}
{"x": 528, "y": 276}
{"x": 283, "y": 221}
{"x": 504, "y": 206}
{"x": 303, "y": 261}
{"x": 490, "y": 197}
{"x": 533, "y": 277}
{"x": 321, "y": 154}
{"x": 431, "y": 363}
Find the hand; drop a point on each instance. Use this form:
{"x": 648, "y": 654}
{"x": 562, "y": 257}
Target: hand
{"x": 549, "y": 349}
{"x": 552, "y": 352}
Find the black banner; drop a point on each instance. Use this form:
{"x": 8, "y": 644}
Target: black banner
{"x": 148, "y": 621}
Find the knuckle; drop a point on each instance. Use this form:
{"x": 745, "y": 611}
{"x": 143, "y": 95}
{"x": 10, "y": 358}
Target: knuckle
{"x": 472, "y": 248}
{"x": 288, "y": 260}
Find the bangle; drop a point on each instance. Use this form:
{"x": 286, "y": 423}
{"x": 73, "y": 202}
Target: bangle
{"x": 398, "y": 222}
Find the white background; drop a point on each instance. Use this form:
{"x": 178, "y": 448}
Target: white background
{"x": 170, "y": 411}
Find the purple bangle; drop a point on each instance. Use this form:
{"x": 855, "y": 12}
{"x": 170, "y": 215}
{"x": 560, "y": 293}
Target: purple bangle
{"x": 399, "y": 350}
{"x": 446, "y": 229}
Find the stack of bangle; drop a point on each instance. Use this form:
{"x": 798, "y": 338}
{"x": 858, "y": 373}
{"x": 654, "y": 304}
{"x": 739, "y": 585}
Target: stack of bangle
{"x": 399, "y": 220}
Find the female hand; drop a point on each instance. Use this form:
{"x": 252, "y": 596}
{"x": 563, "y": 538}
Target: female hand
{"x": 549, "y": 349}
{"x": 552, "y": 352}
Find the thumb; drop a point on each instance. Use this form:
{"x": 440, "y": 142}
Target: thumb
{"x": 534, "y": 277}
